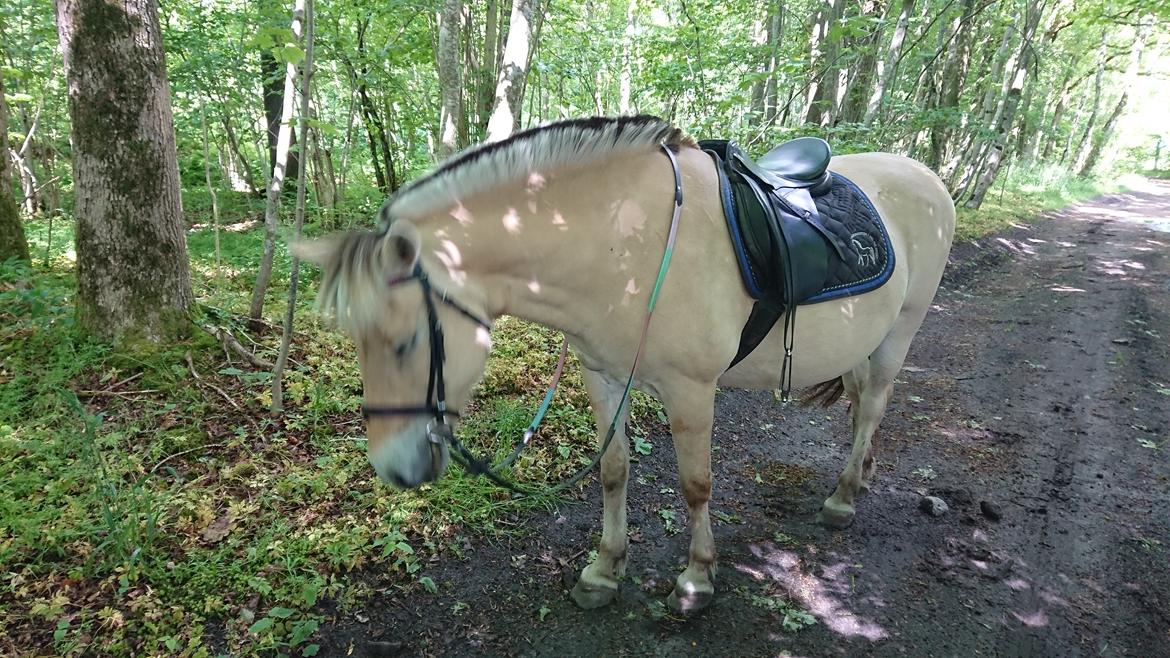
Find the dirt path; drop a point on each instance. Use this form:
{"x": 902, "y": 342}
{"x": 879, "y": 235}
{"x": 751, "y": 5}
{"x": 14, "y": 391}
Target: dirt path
{"x": 1033, "y": 388}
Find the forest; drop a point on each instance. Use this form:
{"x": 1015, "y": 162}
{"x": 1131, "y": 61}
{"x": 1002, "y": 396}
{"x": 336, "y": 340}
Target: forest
{"x": 180, "y": 437}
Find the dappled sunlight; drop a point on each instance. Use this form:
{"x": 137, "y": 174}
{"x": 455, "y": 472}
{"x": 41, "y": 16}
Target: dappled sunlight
{"x": 1037, "y": 619}
{"x": 462, "y": 214}
{"x": 820, "y": 595}
{"x": 631, "y": 218}
{"x": 1017, "y": 246}
{"x": 451, "y": 258}
{"x": 511, "y": 222}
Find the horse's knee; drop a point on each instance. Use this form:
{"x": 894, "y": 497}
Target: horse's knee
{"x": 696, "y": 490}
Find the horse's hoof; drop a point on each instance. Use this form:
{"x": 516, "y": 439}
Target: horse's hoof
{"x": 836, "y": 516}
{"x": 689, "y": 603}
{"x": 589, "y": 598}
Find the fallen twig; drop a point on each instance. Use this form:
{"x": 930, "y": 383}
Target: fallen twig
{"x": 226, "y": 339}
{"x": 184, "y": 452}
{"x": 108, "y": 392}
{"x": 200, "y": 380}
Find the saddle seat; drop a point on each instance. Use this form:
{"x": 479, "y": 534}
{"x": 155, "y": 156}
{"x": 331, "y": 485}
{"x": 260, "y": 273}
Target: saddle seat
{"x": 801, "y": 159}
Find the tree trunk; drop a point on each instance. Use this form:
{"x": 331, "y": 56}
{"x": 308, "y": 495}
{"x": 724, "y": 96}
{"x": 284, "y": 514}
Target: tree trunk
{"x": 448, "y": 61}
{"x": 625, "y": 83}
{"x": 822, "y": 105}
{"x": 290, "y": 310}
{"x": 953, "y": 74}
{"x": 210, "y": 186}
{"x": 240, "y": 174}
{"x": 1087, "y": 135}
{"x": 1006, "y": 114}
{"x": 1131, "y": 75}
{"x": 276, "y": 183}
{"x": 886, "y": 72}
{"x": 275, "y": 85}
{"x": 505, "y": 116}
{"x": 132, "y": 264}
{"x": 853, "y": 106}
{"x": 486, "y": 86}
{"x": 12, "y": 240}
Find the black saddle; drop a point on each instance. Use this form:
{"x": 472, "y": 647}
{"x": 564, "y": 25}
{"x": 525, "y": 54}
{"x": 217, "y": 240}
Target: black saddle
{"x": 789, "y": 251}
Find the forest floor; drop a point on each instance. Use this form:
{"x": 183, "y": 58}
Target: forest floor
{"x": 1034, "y": 402}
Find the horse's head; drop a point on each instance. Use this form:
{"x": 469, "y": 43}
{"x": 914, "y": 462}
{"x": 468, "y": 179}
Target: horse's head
{"x": 380, "y": 295}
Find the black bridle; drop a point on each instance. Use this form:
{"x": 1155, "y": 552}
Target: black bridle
{"x": 439, "y": 430}
{"x": 435, "y": 404}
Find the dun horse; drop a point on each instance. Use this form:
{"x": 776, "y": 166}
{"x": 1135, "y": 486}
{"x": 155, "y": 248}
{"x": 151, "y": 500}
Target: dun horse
{"x": 565, "y": 225}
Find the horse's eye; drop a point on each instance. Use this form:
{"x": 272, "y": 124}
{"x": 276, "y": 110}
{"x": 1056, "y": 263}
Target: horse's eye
{"x": 404, "y": 348}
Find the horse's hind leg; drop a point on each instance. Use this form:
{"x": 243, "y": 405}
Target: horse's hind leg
{"x": 598, "y": 583}
{"x": 691, "y": 409}
{"x": 868, "y": 386}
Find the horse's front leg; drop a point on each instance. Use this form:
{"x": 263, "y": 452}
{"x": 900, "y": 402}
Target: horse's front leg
{"x": 598, "y": 583}
{"x": 691, "y": 411}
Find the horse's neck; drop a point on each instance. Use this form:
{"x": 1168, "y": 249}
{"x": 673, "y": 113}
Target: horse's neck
{"x": 525, "y": 249}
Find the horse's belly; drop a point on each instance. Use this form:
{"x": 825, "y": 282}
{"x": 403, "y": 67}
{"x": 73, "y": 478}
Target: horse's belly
{"x": 831, "y": 338}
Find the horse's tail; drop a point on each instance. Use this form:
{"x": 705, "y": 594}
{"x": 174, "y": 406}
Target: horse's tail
{"x": 824, "y": 394}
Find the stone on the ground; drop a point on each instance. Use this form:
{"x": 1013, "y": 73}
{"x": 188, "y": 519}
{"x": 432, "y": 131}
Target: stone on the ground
{"x": 990, "y": 510}
{"x": 933, "y": 505}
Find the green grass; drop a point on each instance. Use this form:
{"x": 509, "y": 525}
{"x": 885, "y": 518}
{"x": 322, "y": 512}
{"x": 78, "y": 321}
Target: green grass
{"x": 1023, "y": 196}
{"x": 143, "y": 509}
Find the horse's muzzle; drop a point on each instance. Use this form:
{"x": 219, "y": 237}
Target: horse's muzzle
{"x": 407, "y": 462}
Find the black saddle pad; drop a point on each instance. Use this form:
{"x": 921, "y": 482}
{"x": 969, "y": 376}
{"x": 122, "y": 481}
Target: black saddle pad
{"x": 866, "y": 259}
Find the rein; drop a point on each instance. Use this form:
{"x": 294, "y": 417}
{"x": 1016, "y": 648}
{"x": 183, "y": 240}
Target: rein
{"x": 439, "y": 431}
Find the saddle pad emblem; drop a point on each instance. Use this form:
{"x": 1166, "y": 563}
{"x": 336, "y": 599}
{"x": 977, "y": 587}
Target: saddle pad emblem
{"x": 866, "y": 249}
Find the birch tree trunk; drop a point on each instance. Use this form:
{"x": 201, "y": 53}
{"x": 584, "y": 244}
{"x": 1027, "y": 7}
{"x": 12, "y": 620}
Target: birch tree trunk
{"x": 12, "y": 239}
{"x": 505, "y": 116}
{"x": 448, "y": 61}
{"x": 132, "y": 264}
{"x": 886, "y": 70}
{"x": 276, "y": 183}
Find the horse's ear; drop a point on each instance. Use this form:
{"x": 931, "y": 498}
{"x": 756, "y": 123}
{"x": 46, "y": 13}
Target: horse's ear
{"x": 400, "y": 247}
{"x": 318, "y": 252}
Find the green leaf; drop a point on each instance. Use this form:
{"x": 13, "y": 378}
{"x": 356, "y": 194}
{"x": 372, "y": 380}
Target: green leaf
{"x": 311, "y": 650}
{"x": 642, "y": 446}
{"x": 544, "y": 612}
{"x": 429, "y": 585}
{"x": 289, "y": 54}
{"x": 261, "y": 626}
{"x": 234, "y": 372}
{"x": 563, "y": 451}
{"x": 281, "y": 613}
